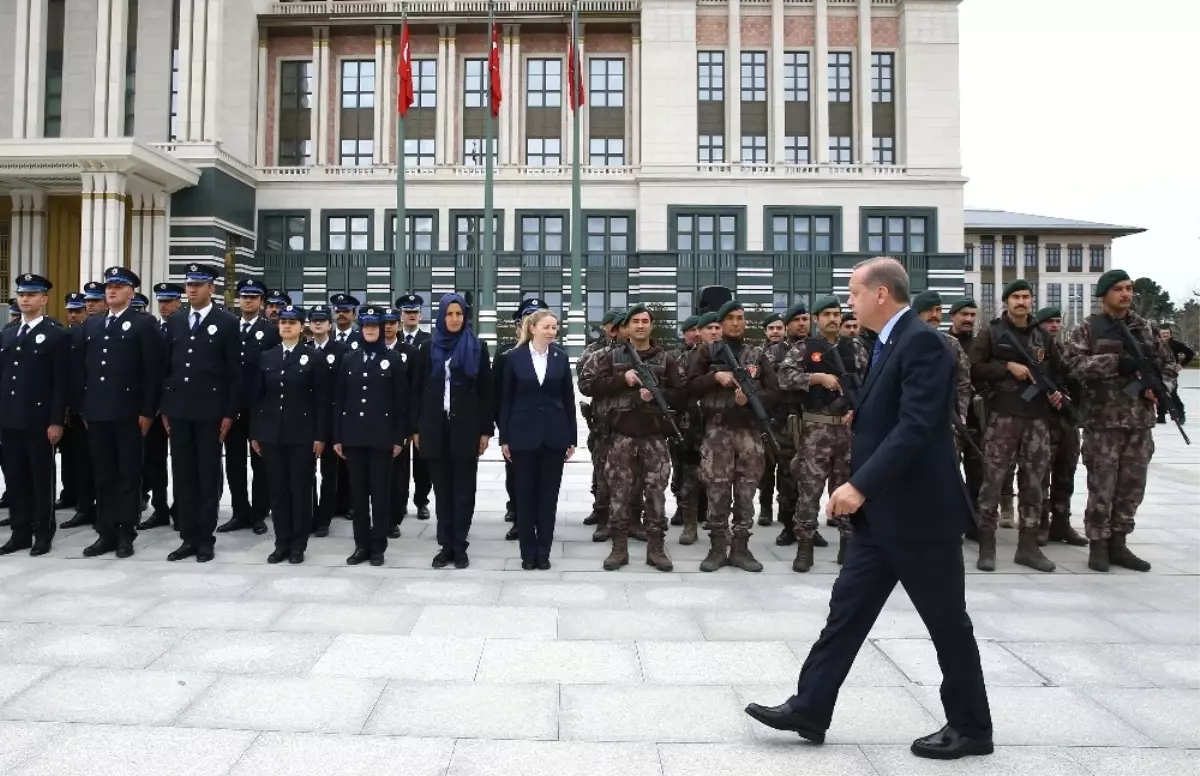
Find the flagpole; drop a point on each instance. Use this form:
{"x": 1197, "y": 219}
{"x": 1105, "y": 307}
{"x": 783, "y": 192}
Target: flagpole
{"x": 576, "y": 325}
{"x": 401, "y": 178}
{"x": 487, "y": 301}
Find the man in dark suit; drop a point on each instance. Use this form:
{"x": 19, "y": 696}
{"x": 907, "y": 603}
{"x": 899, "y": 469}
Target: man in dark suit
{"x": 121, "y": 371}
{"x": 909, "y": 509}
{"x": 330, "y": 352}
{"x": 75, "y": 442}
{"x": 154, "y": 465}
{"x": 412, "y": 335}
{"x": 69, "y": 497}
{"x": 201, "y": 394}
{"x": 258, "y": 335}
{"x": 33, "y": 374}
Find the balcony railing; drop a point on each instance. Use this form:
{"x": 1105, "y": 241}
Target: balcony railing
{"x": 420, "y": 8}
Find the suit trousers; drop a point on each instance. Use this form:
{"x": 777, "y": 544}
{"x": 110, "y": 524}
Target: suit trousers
{"x": 78, "y": 448}
{"x": 196, "y": 473}
{"x": 371, "y": 493}
{"x": 421, "y": 481}
{"x": 116, "y": 447}
{"x": 510, "y": 487}
{"x": 70, "y": 480}
{"x": 246, "y": 506}
{"x": 325, "y": 494}
{"x": 932, "y": 575}
{"x": 29, "y": 469}
{"x": 454, "y": 490}
{"x": 291, "y": 470}
{"x": 538, "y": 475}
{"x": 154, "y": 466}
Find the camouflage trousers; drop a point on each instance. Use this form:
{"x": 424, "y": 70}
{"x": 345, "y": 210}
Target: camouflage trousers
{"x": 688, "y": 473}
{"x": 600, "y": 485}
{"x": 822, "y": 460}
{"x": 638, "y": 470}
{"x": 1117, "y": 460}
{"x": 1059, "y": 480}
{"x": 778, "y": 479}
{"x": 731, "y": 462}
{"x": 972, "y": 464}
{"x": 1025, "y": 441}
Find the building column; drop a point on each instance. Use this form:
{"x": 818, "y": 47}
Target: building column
{"x": 184, "y": 97}
{"x": 148, "y": 235}
{"x": 820, "y": 83}
{"x": 775, "y": 144}
{"x": 387, "y": 103}
{"x": 452, "y": 102}
{"x": 377, "y": 129}
{"x": 514, "y": 99}
{"x": 29, "y": 69}
{"x": 733, "y": 84}
{"x": 634, "y": 155}
{"x": 196, "y": 31}
{"x": 264, "y": 98}
{"x": 866, "y": 131}
{"x": 210, "y": 86}
{"x": 1041, "y": 259}
{"x": 444, "y": 105}
{"x": 27, "y": 249}
{"x": 108, "y": 114}
{"x": 317, "y": 129}
{"x": 102, "y": 227}
{"x": 160, "y": 233}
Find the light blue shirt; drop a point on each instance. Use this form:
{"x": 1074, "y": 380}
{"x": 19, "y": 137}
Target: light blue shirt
{"x": 887, "y": 329}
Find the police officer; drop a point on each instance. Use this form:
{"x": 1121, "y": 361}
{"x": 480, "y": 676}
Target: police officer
{"x": 289, "y": 428}
{"x": 121, "y": 369}
{"x": 201, "y": 394}
{"x": 773, "y": 328}
{"x": 370, "y": 427}
{"x": 68, "y": 498}
{"x": 276, "y": 301}
{"x": 257, "y": 336}
{"x": 329, "y": 352}
{"x": 392, "y": 341}
{"x": 154, "y": 462}
{"x": 34, "y": 372}
{"x": 140, "y": 303}
{"x": 76, "y": 444}
{"x": 345, "y": 309}
{"x": 93, "y": 298}
{"x": 413, "y": 336}
{"x": 14, "y": 312}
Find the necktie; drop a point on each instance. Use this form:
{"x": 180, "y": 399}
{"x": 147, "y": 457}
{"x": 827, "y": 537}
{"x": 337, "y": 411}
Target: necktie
{"x": 287, "y": 356}
{"x": 341, "y": 336}
{"x": 111, "y": 320}
{"x": 408, "y": 339}
{"x": 195, "y": 322}
{"x": 24, "y": 330}
{"x": 163, "y": 325}
{"x": 876, "y": 352}
{"x": 245, "y": 327}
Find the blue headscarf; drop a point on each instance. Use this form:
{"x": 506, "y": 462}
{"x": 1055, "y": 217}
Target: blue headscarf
{"x": 460, "y": 348}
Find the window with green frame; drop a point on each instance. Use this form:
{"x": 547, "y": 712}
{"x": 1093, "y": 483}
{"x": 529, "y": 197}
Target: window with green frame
{"x": 716, "y": 230}
{"x": 897, "y": 232}
{"x": 608, "y": 238}
{"x": 802, "y": 231}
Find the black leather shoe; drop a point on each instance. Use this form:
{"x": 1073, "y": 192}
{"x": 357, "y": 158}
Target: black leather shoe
{"x": 422, "y": 513}
{"x": 279, "y": 556}
{"x": 40, "y": 547}
{"x": 124, "y": 548}
{"x": 322, "y": 532}
{"x": 593, "y": 519}
{"x": 357, "y": 557}
{"x": 205, "y": 555}
{"x": 394, "y": 532}
{"x": 77, "y": 520}
{"x": 259, "y": 528}
{"x": 99, "y": 547}
{"x": 14, "y": 545}
{"x": 232, "y": 524}
{"x": 461, "y": 561}
{"x": 296, "y": 557}
{"x": 511, "y": 536}
{"x": 511, "y": 516}
{"x": 442, "y": 559}
{"x": 818, "y": 540}
{"x": 185, "y": 551}
{"x": 783, "y": 717}
{"x": 377, "y": 559}
{"x": 156, "y": 520}
{"x": 949, "y": 744}
{"x": 145, "y": 504}
{"x": 528, "y": 565}
{"x": 5, "y": 521}
{"x": 4, "y": 501}
{"x": 786, "y": 538}
{"x": 543, "y": 565}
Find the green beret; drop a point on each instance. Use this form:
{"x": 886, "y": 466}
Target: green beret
{"x": 610, "y": 316}
{"x": 1110, "y": 279}
{"x": 827, "y": 302}
{"x": 729, "y": 307}
{"x": 706, "y": 320}
{"x": 963, "y": 303}
{"x": 1020, "y": 284}
{"x": 926, "y": 301}
{"x": 619, "y": 319}
{"x": 638, "y": 308}
{"x": 1046, "y": 313}
{"x": 772, "y": 318}
{"x": 799, "y": 308}
{"x": 689, "y": 323}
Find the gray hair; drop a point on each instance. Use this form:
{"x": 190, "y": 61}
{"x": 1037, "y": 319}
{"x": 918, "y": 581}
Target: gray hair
{"x": 887, "y": 272}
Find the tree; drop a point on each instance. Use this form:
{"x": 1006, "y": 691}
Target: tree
{"x": 1187, "y": 323}
{"x": 1151, "y": 302}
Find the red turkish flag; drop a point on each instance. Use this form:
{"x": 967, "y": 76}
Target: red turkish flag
{"x": 404, "y": 95}
{"x": 494, "y": 73}
{"x": 575, "y": 94}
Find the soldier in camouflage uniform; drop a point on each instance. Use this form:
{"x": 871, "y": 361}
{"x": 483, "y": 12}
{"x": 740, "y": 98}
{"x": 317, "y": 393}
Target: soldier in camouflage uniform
{"x": 1118, "y": 429}
{"x": 1017, "y": 429}
{"x": 822, "y": 369}
{"x": 731, "y": 458}
{"x": 638, "y": 458}
{"x": 598, "y": 426}
{"x": 1058, "y": 483}
{"x": 603, "y": 341}
{"x": 850, "y": 325}
{"x": 928, "y": 307}
{"x": 773, "y": 327}
{"x": 679, "y": 467}
{"x": 962, "y": 328}
{"x": 692, "y": 491}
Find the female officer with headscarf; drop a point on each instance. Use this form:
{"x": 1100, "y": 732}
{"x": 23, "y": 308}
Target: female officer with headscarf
{"x": 452, "y": 421}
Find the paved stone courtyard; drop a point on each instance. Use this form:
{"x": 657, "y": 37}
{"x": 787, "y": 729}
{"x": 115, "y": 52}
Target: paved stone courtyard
{"x": 147, "y": 667}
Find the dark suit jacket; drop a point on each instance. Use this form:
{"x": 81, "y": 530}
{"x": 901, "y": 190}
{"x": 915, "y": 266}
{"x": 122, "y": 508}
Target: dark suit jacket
{"x": 533, "y": 415}
{"x": 33, "y": 376}
{"x": 470, "y": 408}
{"x": 204, "y": 370}
{"x": 419, "y": 339}
{"x": 260, "y": 338}
{"x": 371, "y": 400}
{"x": 903, "y": 458}
{"x": 292, "y": 403}
{"x": 121, "y": 369}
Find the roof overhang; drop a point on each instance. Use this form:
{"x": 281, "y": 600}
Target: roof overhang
{"x": 56, "y": 165}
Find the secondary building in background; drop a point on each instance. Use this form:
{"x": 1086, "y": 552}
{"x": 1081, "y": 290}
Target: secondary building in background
{"x": 1061, "y": 258}
{"x": 768, "y": 146}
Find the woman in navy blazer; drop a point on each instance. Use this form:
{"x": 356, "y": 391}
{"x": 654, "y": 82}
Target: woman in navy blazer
{"x": 537, "y": 431}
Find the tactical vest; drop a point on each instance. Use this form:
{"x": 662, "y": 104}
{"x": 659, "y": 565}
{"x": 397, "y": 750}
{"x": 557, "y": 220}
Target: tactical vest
{"x": 722, "y": 402}
{"x": 819, "y": 361}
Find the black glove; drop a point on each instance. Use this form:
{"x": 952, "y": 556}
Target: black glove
{"x": 1126, "y": 365}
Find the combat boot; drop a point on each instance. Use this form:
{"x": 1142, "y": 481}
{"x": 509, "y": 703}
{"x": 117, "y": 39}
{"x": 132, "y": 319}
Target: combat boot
{"x": 987, "y": 550}
{"x": 718, "y": 553}
{"x": 1029, "y": 554}
{"x": 593, "y": 518}
{"x": 601, "y": 533}
{"x": 787, "y": 535}
{"x": 804, "y": 556}
{"x": 1061, "y": 531}
{"x": 677, "y": 518}
{"x": 843, "y": 543}
{"x": 1098, "y": 555}
{"x": 741, "y": 557}
{"x": 688, "y": 536}
{"x": 620, "y": 552}
{"x": 1119, "y": 554}
{"x": 1043, "y": 530}
{"x": 1006, "y": 513}
{"x": 656, "y": 553}
{"x": 765, "y": 515}
{"x": 637, "y": 530}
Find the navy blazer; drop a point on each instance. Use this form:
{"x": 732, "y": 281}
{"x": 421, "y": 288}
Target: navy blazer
{"x": 533, "y": 415}
{"x": 903, "y": 458}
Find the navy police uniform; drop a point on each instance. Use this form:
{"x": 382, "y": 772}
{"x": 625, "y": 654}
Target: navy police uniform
{"x": 330, "y": 353}
{"x": 154, "y": 456}
{"x": 77, "y": 445}
{"x": 411, "y": 460}
{"x": 348, "y": 340}
{"x": 69, "y": 497}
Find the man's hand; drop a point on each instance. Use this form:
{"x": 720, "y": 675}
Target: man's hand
{"x": 318, "y": 448}
{"x": 726, "y": 379}
{"x": 632, "y": 379}
{"x": 396, "y": 450}
{"x": 484, "y": 439}
{"x": 340, "y": 454}
{"x": 827, "y": 381}
{"x": 144, "y": 423}
{"x": 739, "y": 398}
{"x": 226, "y": 424}
{"x": 416, "y": 442}
{"x": 848, "y": 418}
{"x": 646, "y": 395}
{"x": 846, "y": 500}
{"x": 1151, "y": 397}
{"x": 54, "y": 434}
{"x": 167, "y": 424}
{"x": 570, "y": 452}
{"x": 256, "y": 447}
{"x": 1019, "y": 371}
{"x": 506, "y": 452}
{"x": 1056, "y": 400}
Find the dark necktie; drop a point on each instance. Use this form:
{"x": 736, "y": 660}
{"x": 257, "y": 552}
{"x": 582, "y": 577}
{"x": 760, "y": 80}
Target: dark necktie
{"x": 408, "y": 339}
{"x": 341, "y": 336}
{"x": 108, "y": 326}
{"x": 24, "y": 330}
{"x": 163, "y": 325}
{"x": 876, "y": 352}
{"x": 195, "y": 322}
{"x": 245, "y": 328}
{"x": 287, "y": 356}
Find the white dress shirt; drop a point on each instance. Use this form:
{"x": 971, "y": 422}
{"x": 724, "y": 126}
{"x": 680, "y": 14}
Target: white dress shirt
{"x": 887, "y": 328}
{"x": 246, "y": 325}
{"x": 31, "y": 325}
{"x": 204, "y": 311}
{"x": 446, "y": 393}
{"x": 540, "y": 362}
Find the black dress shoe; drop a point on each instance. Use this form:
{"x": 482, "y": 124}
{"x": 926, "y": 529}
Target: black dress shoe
{"x": 512, "y": 534}
{"x": 205, "y": 554}
{"x": 377, "y": 559}
{"x": 543, "y": 565}
{"x": 422, "y": 513}
{"x": 99, "y": 547}
{"x": 156, "y": 520}
{"x": 40, "y": 547}
{"x": 185, "y": 551}
{"x": 787, "y": 538}
{"x": 357, "y": 557}
{"x": 949, "y": 744}
{"x": 278, "y": 556}
{"x": 78, "y": 519}
{"x": 259, "y": 528}
{"x": 394, "y": 532}
{"x": 124, "y": 548}
{"x": 461, "y": 561}
{"x": 323, "y": 531}
{"x": 442, "y": 559}
{"x": 232, "y": 524}
{"x": 818, "y": 540}
{"x": 15, "y": 545}
{"x": 145, "y": 504}
{"x": 5, "y": 521}
{"x": 511, "y": 517}
{"x": 528, "y": 565}
{"x": 783, "y": 717}
{"x": 296, "y": 557}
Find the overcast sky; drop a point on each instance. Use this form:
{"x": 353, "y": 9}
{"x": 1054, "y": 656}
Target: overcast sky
{"x": 1089, "y": 109}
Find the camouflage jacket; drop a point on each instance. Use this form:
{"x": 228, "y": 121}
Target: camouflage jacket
{"x": 962, "y": 383}
{"x": 788, "y": 401}
{"x": 989, "y": 368}
{"x": 625, "y": 411}
{"x": 1092, "y": 355}
{"x": 810, "y": 357}
{"x": 717, "y": 402}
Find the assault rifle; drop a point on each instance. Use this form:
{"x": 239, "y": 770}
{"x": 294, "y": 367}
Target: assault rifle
{"x": 722, "y": 352}
{"x": 650, "y": 383}
{"x": 1042, "y": 382}
{"x": 851, "y": 382}
{"x": 1150, "y": 378}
